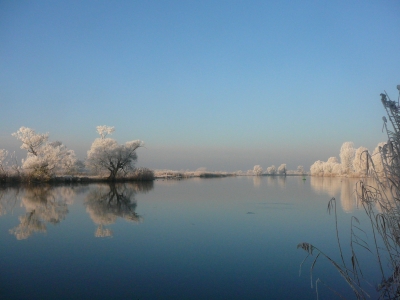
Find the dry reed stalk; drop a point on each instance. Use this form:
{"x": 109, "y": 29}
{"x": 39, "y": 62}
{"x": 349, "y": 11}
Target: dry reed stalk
{"x": 385, "y": 225}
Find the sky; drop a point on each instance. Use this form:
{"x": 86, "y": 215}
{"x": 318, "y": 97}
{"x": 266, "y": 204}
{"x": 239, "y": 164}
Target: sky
{"x": 222, "y": 85}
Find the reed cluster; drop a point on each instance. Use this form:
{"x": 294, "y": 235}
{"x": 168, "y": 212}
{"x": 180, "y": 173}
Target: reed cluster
{"x": 381, "y": 203}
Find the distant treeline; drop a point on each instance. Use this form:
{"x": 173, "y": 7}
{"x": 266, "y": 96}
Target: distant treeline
{"x": 353, "y": 162}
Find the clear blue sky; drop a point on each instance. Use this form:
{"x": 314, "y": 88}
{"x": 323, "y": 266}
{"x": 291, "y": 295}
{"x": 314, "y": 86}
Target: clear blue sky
{"x": 218, "y": 84}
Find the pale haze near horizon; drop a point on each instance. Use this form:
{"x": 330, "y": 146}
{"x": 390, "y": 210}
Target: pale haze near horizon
{"x": 215, "y": 84}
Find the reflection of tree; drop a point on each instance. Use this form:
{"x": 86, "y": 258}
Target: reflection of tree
{"x": 43, "y": 204}
{"x": 256, "y": 181}
{"x": 8, "y": 199}
{"x": 347, "y": 196}
{"x": 276, "y": 180}
{"x": 334, "y": 186}
{"x": 107, "y": 203}
{"x": 328, "y": 185}
{"x": 282, "y": 181}
{"x": 29, "y": 224}
{"x": 271, "y": 180}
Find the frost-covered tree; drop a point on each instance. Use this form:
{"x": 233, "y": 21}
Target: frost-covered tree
{"x": 50, "y": 159}
{"x": 352, "y": 161}
{"x": 271, "y": 170}
{"x": 337, "y": 169}
{"x": 360, "y": 161}
{"x": 328, "y": 168}
{"x": 106, "y": 155}
{"x": 317, "y": 168}
{"x": 257, "y": 170}
{"x": 103, "y": 130}
{"x": 3, "y": 156}
{"x": 331, "y": 166}
{"x": 347, "y": 153}
{"x": 31, "y": 141}
{"x": 44, "y": 158}
{"x": 282, "y": 169}
{"x": 377, "y": 159}
{"x": 300, "y": 170}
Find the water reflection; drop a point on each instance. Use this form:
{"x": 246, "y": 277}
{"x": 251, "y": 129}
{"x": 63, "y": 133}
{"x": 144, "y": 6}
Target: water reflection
{"x": 48, "y": 204}
{"x": 339, "y": 188}
{"x": 43, "y": 204}
{"x": 256, "y": 181}
{"x": 106, "y": 203}
{"x": 276, "y": 180}
{"x": 8, "y": 200}
{"x": 345, "y": 189}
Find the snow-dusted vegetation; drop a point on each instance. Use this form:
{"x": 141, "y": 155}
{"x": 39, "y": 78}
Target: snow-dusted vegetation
{"x": 106, "y": 160}
{"x": 200, "y": 172}
{"x": 44, "y": 159}
{"x": 379, "y": 197}
{"x": 47, "y": 160}
{"x": 257, "y": 170}
{"x": 272, "y": 170}
{"x": 203, "y": 172}
{"x": 106, "y": 156}
{"x": 353, "y": 162}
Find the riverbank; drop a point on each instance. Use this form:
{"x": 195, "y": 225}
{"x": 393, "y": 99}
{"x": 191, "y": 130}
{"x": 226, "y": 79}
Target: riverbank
{"x": 170, "y": 174}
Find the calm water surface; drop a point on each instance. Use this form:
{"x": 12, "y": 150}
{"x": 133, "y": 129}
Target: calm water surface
{"x": 229, "y": 238}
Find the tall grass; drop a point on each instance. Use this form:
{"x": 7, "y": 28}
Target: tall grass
{"x": 381, "y": 203}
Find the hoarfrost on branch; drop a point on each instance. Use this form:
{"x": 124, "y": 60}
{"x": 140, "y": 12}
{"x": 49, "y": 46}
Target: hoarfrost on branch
{"x": 106, "y": 155}
{"x": 44, "y": 158}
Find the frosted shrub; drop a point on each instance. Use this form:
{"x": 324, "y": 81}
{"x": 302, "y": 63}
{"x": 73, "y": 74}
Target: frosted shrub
{"x": 143, "y": 174}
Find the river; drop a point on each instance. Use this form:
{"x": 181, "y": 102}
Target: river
{"x": 219, "y": 238}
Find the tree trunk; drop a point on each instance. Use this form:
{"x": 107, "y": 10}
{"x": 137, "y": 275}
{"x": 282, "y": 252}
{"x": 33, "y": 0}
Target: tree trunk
{"x": 113, "y": 174}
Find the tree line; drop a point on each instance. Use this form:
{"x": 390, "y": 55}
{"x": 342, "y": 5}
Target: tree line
{"x": 353, "y": 162}
{"x": 45, "y": 159}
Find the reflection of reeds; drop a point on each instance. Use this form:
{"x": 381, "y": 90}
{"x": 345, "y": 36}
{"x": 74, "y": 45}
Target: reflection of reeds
{"x": 381, "y": 203}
